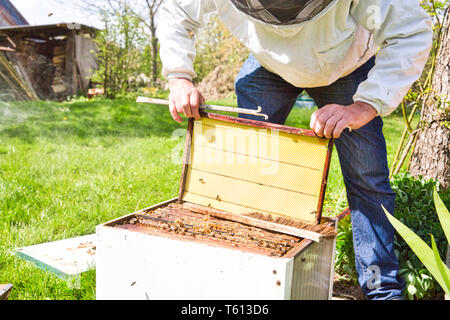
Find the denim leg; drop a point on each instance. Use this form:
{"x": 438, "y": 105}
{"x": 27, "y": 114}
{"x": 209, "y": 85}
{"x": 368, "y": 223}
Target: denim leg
{"x": 362, "y": 154}
{"x": 256, "y": 86}
{"x": 363, "y": 158}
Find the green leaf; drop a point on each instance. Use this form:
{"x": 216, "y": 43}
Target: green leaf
{"x": 420, "y": 294}
{"x": 425, "y": 276}
{"x": 403, "y": 271}
{"x": 441, "y": 266}
{"x": 444, "y": 216}
{"x": 411, "y": 278}
{"x": 409, "y": 264}
{"x": 412, "y": 290}
{"x": 420, "y": 248}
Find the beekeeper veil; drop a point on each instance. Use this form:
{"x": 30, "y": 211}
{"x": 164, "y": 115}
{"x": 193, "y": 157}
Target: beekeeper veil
{"x": 281, "y": 12}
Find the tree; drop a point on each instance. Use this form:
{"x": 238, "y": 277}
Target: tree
{"x": 217, "y": 46}
{"x": 153, "y": 6}
{"x": 119, "y": 44}
{"x": 127, "y": 44}
{"x": 219, "y": 58}
{"x": 431, "y": 156}
{"x": 147, "y": 16}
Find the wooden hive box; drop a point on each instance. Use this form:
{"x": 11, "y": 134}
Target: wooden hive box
{"x": 247, "y": 223}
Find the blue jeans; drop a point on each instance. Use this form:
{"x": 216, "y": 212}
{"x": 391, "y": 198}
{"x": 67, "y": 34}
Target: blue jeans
{"x": 362, "y": 155}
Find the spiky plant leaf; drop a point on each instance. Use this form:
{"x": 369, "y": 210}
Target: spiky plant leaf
{"x": 420, "y": 248}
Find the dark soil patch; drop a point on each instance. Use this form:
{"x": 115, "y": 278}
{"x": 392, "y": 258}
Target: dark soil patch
{"x": 346, "y": 289}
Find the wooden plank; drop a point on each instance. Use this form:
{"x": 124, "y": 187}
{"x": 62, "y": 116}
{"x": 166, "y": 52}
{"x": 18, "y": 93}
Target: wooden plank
{"x": 11, "y": 41}
{"x": 227, "y": 206}
{"x": 59, "y": 51}
{"x": 343, "y": 214}
{"x": 255, "y": 222}
{"x": 71, "y": 71}
{"x": 295, "y": 252}
{"x": 267, "y": 172}
{"x": 290, "y": 134}
{"x": 64, "y": 258}
{"x": 314, "y": 268}
{"x": 59, "y": 60}
{"x": 260, "y": 124}
{"x": 250, "y": 166}
{"x": 81, "y": 83}
{"x": 186, "y": 157}
{"x": 7, "y": 49}
{"x": 252, "y": 195}
{"x": 214, "y": 203}
{"x": 278, "y": 146}
{"x": 19, "y": 83}
{"x": 323, "y": 189}
{"x": 127, "y": 217}
{"x": 85, "y": 60}
{"x": 5, "y": 290}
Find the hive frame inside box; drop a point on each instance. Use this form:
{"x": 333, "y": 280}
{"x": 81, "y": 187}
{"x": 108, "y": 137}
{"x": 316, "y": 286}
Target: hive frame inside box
{"x": 146, "y": 265}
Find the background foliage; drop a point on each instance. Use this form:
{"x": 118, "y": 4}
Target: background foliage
{"x": 216, "y": 46}
{"x": 120, "y": 56}
{"x": 414, "y": 206}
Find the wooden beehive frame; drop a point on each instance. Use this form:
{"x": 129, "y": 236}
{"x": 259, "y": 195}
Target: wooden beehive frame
{"x": 262, "y": 125}
{"x": 308, "y": 238}
{"x": 322, "y": 228}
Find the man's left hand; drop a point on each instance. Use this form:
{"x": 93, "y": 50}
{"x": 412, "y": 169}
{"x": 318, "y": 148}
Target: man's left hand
{"x": 332, "y": 119}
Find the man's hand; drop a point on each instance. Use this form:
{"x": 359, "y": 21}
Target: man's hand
{"x": 184, "y": 98}
{"x": 332, "y": 119}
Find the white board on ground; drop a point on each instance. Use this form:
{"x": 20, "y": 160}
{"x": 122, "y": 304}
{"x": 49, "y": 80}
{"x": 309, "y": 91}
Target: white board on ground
{"x": 64, "y": 258}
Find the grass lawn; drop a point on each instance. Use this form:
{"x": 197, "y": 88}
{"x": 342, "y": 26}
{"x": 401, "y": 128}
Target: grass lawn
{"x": 67, "y": 167}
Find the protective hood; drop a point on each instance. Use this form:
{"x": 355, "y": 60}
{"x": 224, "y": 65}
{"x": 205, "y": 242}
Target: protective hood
{"x": 281, "y": 12}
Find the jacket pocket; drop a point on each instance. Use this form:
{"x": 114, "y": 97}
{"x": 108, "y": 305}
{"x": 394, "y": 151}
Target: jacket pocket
{"x": 334, "y": 52}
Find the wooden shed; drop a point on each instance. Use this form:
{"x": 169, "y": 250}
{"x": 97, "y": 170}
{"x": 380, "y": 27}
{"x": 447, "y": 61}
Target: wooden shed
{"x": 49, "y": 62}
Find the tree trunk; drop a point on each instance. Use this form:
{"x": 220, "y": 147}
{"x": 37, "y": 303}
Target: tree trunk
{"x": 431, "y": 157}
{"x": 154, "y": 42}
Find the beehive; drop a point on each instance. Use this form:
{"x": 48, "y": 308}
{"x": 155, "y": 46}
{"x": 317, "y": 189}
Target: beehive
{"x": 246, "y": 224}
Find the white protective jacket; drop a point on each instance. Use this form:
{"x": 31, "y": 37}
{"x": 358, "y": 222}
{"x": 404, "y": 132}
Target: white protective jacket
{"x": 314, "y": 53}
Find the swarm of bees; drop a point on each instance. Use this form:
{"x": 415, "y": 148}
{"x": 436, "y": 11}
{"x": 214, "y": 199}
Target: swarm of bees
{"x": 176, "y": 220}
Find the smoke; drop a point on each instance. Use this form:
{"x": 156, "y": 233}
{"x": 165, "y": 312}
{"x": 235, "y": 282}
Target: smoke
{"x": 11, "y": 114}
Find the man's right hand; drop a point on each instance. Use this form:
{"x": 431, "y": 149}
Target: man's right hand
{"x": 184, "y": 99}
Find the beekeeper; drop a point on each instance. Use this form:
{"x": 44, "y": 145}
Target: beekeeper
{"x": 357, "y": 60}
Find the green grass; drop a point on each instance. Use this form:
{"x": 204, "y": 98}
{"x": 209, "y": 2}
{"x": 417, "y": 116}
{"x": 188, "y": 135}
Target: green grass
{"x": 67, "y": 167}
